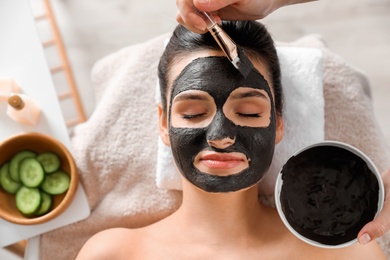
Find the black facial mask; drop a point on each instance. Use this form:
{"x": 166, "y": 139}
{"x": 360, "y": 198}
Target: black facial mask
{"x": 219, "y": 78}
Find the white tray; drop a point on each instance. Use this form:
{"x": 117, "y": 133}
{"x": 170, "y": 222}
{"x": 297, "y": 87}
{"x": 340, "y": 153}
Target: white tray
{"x": 22, "y": 57}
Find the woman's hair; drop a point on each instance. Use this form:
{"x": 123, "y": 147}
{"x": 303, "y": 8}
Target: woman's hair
{"x": 252, "y": 36}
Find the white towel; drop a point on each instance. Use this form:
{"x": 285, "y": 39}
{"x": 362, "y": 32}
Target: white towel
{"x": 303, "y": 116}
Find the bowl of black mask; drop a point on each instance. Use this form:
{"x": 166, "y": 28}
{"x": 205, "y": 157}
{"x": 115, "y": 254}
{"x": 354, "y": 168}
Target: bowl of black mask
{"x": 326, "y": 192}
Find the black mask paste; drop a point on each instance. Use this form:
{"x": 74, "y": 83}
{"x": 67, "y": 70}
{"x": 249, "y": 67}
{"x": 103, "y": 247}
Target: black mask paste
{"x": 219, "y": 78}
{"x": 328, "y": 194}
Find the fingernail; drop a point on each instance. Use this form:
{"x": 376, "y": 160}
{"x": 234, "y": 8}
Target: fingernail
{"x": 203, "y": 1}
{"x": 364, "y": 239}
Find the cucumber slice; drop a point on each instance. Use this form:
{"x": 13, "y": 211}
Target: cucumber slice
{"x": 15, "y": 161}
{"x": 46, "y": 203}
{"x": 31, "y": 172}
{"x": 50, "y": 161}
{"x": 56, "y": 183}
{"x": 28, "y": 200}
{"x": 8, "y": 184}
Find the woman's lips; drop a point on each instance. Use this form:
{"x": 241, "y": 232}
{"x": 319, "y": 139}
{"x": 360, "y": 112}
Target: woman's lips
{"x": 221, "y": 161}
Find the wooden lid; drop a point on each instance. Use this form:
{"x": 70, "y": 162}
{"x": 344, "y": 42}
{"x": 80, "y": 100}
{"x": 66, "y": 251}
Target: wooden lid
{"x": 16, "y": 102}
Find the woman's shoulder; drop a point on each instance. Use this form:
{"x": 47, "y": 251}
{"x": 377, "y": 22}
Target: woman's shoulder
{"x": 109, "y": 243}
{"x": 126, "y": 243}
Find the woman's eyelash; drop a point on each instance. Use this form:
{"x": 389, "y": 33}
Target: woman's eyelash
{"x": 249, "y": 115}
{"x": 192, "y": 116}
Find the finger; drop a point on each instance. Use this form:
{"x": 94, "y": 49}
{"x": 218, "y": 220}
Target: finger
{"x": 371, "y": 231}
{"x": 197, "y": 28}
{"x": 188, "y": 17}
{"x": 381, "y": 224}
{"x": 233, "y": 9}
{"x": 213, "y": 5}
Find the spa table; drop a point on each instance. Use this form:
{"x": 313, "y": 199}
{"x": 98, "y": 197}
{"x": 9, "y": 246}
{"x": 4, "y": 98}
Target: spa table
{"x": 22, "y": 58}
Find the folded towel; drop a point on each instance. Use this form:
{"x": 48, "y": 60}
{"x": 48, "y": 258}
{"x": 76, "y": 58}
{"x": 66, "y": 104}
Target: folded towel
{"x": 116, "y": 149}
{"x": 303, "y": 116}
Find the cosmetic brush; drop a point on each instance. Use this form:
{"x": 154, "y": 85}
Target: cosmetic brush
{"x": 232, "y": 51}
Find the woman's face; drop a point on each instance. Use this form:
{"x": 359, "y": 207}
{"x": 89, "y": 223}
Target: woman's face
{"x": 222, "y": 127}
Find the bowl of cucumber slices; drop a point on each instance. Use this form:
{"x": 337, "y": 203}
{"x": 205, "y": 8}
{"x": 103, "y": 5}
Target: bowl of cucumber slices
{"x": 38, "y": 178}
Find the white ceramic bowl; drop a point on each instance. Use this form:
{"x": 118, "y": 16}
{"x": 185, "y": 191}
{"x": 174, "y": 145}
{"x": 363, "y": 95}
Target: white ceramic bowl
{"x": 322, "y": 198}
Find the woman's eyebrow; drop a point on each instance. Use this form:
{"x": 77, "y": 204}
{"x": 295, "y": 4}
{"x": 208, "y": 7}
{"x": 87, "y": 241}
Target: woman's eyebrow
{"x": 189, "y": 96}
{"x": 249, "y": 93}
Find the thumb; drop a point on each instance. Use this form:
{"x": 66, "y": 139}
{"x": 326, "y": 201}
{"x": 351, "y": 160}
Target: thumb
{"x": 381, "y": 224}
{"x": 377, "y": 227}
{"x": 212, "y": 5}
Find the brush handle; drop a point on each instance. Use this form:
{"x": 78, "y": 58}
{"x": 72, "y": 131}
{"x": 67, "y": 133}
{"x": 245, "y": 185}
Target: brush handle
{"x": 226, "y": 44}
{"x": 208, "y": 18}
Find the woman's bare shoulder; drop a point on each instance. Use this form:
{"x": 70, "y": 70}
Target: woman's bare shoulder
{"x": 126, "y": 243}
{"x": 110, "y": 243}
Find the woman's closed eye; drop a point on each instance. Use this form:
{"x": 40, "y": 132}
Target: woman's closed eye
{"x": 198, "y": 116}
{"x": 248, "y": 107}
{"x": 254, "y": 115}
{"x": 192, "y": 108}
{"x": 190, "y": 116}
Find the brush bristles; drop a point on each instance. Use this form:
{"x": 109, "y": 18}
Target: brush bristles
{"x": 242, "y": 63}
{"x": 236, "y": 61}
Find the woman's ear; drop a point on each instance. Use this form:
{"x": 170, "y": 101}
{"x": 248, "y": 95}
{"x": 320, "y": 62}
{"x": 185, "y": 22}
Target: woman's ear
{"x": 279, "y": 129}
{"x": 163, "y": 125}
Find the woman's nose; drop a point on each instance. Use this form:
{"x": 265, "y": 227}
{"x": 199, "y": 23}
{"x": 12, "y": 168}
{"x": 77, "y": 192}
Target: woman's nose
{"x": 220, "y": 133}
{"x": 221, "y": 143}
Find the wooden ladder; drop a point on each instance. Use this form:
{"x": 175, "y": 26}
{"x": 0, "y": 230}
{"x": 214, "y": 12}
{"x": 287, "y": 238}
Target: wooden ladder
{"x": 71, "y": 92}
